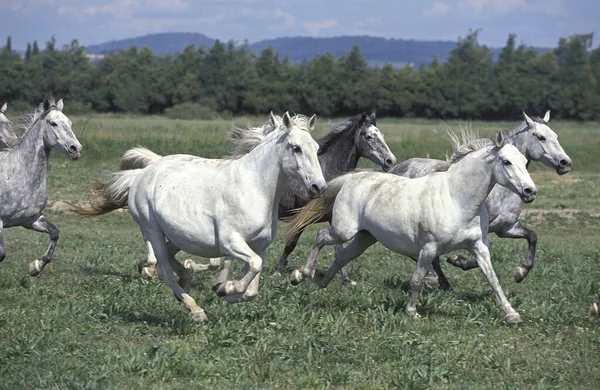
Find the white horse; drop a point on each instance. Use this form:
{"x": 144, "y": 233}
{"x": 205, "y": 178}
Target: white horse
{"x": 423, "y": 217}
{"x": 215, "y": 207}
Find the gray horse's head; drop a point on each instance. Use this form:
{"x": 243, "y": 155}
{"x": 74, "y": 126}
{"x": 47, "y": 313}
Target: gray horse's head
{"x": 510, "y": 170}
{"x": 8, "y": 137}
{"x": 57, "y": 131}
{"x": 371, "y": 144}
{"x": 541, "y": 144}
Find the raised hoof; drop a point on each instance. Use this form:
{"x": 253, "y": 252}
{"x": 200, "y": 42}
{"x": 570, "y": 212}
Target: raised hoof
{"x": 454, "y": 260}
{"x": 219, "y": 289}
{"x": 296, "y": 277}
{"x": 35, "y": 267}
{"x": 198, "y": 316}
{"x": 595, "y": 308}
{"x": 513, "y": 319}
{"x": 520, "y": 274}
{"x": 189, "y": 264}
{"x": 349, "y": 282}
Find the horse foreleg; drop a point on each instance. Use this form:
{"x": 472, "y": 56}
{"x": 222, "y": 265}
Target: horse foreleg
{"x": 237, "y": 247}
{"x": 426, "y": 256}
{"x": 289, "y": 248}
{"x": 343, "y": 256}
{"x": 43, "y": 225}
{"x": 482, "y": 253}
{"x": 520, "y": 231}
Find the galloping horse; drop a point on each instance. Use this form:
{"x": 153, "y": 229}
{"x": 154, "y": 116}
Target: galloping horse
{"x": 537, "y": 142}
{"x": 423, "y": 217}
{"x": 215, "y": 207}
{"x": 23, "y": 193}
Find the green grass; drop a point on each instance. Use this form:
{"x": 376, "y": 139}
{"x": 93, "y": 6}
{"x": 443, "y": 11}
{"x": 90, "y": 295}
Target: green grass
{"x": 89, "y": 321}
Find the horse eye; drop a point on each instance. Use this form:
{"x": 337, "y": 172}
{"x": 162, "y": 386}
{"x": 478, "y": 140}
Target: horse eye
{"x": 53, "y": 124}
{"x": 296, "y": 149}
{"x": 369, "y": 137}
{"x": 507, "y": 162}
{"x": 541, "y": 138}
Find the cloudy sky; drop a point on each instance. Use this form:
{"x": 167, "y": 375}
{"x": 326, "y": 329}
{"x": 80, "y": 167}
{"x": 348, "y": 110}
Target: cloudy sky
{"x": 536, "y": 22}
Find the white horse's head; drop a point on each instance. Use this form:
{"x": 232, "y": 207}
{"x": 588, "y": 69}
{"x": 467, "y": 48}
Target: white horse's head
{"x": 510, "y": 170}
{"x": 371, "y": 144}
{"x": 299, "y": 158}
{"x": 543, "y": 145}
{"x": 7, "y": 134}
{"x": 58, "y": 133}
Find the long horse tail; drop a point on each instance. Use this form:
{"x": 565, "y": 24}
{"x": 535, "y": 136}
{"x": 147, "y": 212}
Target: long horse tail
{"x": 317, "y": 208}
{"x": 108, "y": 195}
{"x": 138, "y": 158}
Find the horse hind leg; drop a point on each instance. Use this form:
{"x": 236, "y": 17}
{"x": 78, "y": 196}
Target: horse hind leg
{"x": 147, "y": 268}
{"x": 520, "y": 231}
{"x": 343, "y": 256}
{"x": 344, "y": 271}
{"x": 44, "y": 226}
{"x": 165, "y": 263}
{"x": 2, "y": 250}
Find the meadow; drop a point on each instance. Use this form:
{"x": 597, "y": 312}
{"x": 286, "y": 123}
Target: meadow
{"x": 90, "y": 321}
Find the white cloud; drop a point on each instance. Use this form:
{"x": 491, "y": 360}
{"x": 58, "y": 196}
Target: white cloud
{"x": 315, "y": 27}
{"x": 438, "y": 8}
{"x": 168, "y": 5}
{"x": 289, "y": 19}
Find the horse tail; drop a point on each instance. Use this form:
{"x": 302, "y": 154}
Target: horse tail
{"x": 316, "y": 208}
{"x": 108, "y": 195}
{"x": 138, "y": 158}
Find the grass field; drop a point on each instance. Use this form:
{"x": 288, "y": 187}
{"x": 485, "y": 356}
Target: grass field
{"x": 89, "y": 321}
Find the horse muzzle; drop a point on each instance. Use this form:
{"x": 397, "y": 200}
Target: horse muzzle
{"x": 316, "y": 190}
{"x": 528, "y": 195}
{"x": 564, "y": 166}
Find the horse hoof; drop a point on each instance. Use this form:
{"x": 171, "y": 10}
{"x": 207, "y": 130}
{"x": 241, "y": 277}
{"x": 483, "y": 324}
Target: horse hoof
{"x": 595, "y": 308}
{"x": 198, "y": 316}
{"x": 520, "y": 274}
{"x": 276, "y": 273}
{"x": 189, "y": 264}
{"x": 147, "y": 273}
{"x": 413, "y": 313}
{"x": 141, "y": 266}
{"x": 513, "y": 318}
{"x": 35, "y": 267}
{"x": 349, "y": 282}
{"x": 453, "y": 259}
{"x": 219, "y": 289}
{"x": 296, "y": 277}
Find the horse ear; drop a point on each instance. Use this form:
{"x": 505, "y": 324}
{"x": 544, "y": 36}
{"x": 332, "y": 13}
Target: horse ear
{"x": 287, "y": 121}
{"x": 274, "y": 121}
{"x": 312, "y": 122}
{"x": 547, "y": 116}
{"x": 363, "y": 118}
{"x": 3, "y": 109}
{"x": 499, "y": 139}
{"x": 60, "y": 105}
{"x": 528, "y": 120}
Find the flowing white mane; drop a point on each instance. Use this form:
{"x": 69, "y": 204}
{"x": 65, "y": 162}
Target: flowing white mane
{"x": 246, "y": 139}
{"x": 466, "y": 142}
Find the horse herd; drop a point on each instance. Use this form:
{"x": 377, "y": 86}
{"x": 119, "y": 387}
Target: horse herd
{"x": 421, "y": 208}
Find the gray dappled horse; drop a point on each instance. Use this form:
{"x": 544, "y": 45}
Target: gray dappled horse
{"x": 8, "y": 137}
{"x": 536, "y": 141}
{"x": 23, "y": 172}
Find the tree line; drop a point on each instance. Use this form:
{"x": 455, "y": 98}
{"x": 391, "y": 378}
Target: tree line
{"x": 230, "y": 79}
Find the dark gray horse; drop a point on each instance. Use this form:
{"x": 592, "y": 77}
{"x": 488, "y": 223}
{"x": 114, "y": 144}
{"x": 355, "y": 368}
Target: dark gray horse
{"x": 339, "y": 151}
{"x": 8, "y": 137}
{"x": 537, "y": 142}
{"x": 23, "y": 174}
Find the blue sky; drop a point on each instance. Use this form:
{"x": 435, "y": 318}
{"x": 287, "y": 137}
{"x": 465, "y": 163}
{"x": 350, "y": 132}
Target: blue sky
{"x": 536, "y": 22}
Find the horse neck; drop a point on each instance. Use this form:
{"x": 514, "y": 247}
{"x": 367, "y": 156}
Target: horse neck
{"x": 470, "y": 180}
{"x": 340, "y": 157}
{"x": 32, "y": 152}
{"x": 264, "y": 163}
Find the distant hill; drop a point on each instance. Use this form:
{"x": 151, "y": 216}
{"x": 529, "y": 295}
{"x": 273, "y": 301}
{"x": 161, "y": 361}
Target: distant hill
{"x": 160, "y": 44}
{"x": 377, "y": 51}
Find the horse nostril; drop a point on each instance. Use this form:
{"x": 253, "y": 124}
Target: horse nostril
{"x": 315, "y": 188}
{"x": 564, "y": 163}
{"x": 528, "y": 191}
{"x": 389, "y": 162}
{"x": 73, "y": 149}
